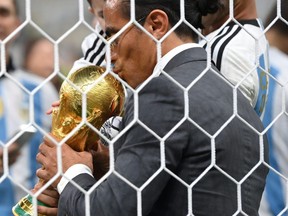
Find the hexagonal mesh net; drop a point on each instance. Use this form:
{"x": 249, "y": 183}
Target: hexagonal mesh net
{"x": 190, "y": 115}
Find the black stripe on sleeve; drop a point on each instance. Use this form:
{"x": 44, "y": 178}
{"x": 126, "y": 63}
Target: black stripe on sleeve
{"x": 205, "y": 45}
{"x": 100, "y": 48}
{"x": 93, "y": 46}
{"x": 219, "y": 37}
{"x": 221, "y": 50}
{"x": 101, "y": 59}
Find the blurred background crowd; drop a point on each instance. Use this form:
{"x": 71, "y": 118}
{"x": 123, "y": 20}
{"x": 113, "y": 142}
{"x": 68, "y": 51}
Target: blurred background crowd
{"x": 53, "y": 19}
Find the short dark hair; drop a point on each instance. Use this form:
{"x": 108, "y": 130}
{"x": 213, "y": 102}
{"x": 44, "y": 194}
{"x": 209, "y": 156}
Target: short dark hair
{"x": 279, "y": 25}
{"x": 194, "y": 10}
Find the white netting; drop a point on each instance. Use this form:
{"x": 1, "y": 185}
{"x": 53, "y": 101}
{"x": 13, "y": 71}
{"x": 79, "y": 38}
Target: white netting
{"x": 76, "y": 31}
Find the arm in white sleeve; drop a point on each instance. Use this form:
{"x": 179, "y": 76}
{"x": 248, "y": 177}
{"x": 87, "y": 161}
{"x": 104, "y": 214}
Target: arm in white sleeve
{"x": 71, "y": 173}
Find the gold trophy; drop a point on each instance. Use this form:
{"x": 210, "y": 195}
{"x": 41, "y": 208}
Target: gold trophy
{"x": 104, "y": 99}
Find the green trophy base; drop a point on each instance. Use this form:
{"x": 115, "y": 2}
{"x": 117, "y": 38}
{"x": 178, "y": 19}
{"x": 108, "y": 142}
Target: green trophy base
{"x": 25, "y": 207}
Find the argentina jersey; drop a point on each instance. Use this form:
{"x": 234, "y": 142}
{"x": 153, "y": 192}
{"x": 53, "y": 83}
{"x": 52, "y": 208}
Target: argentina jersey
{"x": 275, "y": 198}
{"x": 6, "y": 186}
{"x": 240, "y": 52}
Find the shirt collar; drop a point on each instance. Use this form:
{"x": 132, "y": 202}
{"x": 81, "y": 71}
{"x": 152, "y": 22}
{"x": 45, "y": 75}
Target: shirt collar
{"x": 168, "y": 56}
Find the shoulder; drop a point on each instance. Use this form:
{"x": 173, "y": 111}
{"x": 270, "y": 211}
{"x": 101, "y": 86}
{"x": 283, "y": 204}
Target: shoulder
{"x": 163, "y": 86}
{"x": 90, "y": 39}
{"x": 159, "y": 105}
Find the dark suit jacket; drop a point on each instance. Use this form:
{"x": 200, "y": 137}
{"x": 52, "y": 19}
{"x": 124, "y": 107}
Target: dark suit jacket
{"x": 188, "y": 152}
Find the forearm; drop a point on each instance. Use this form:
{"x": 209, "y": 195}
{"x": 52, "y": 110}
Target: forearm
{"x": 71, "y": 173}
{"x": 72, "y": 199}
{"x": 112, "y": 197}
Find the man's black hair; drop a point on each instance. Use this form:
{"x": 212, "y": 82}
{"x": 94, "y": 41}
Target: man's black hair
{"x": 194, "y": 10}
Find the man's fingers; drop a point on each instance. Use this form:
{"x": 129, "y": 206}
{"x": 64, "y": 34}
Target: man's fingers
{"x": 48, "y": 145}
{"x": 44, "y": 149}
{"x": 50, "y": 140}
{"x": 42, "y": 174}
{"x": 51, "y": 201}
{"x": 48, "y": 211}
{"x": 49, "y": 111}
{"x": 54, "y": 104}
{"x": 40, "y": 158}
{"x": 46, "y": 173}
{"x": 49, "y": 196}
{"x": 51, "y": 193}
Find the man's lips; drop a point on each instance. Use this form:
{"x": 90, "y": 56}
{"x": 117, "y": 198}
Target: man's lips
{"x": 116, "y": 71}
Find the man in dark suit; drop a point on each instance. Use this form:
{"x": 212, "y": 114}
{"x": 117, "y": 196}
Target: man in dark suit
{"x": 190, "y": 143}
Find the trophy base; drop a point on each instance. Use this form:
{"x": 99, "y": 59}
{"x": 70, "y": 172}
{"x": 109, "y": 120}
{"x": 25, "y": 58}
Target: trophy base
{"x": 25, "y": 207}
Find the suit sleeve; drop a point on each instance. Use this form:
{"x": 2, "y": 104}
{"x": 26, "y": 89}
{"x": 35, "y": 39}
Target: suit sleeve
{"x": 137, "y": 158}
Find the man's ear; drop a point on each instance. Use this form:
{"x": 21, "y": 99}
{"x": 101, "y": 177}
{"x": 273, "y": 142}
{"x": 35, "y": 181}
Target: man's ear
{"x": 158, "y": 23}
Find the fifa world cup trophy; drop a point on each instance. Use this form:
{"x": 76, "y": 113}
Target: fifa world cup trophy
{"x": 104, "y": 98}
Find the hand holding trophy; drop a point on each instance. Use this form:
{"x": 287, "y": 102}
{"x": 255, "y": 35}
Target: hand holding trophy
{"x": 104, "y": 98}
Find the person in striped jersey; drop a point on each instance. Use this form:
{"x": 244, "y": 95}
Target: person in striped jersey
{"x": 274, "y": 200}
{"x": 93, "y": 46}
{"x": 239, "y": 49}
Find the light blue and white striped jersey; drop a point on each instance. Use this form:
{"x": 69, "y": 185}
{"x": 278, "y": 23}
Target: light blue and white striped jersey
{"x": 236, "y": 50}
{"x": 274, "y": 198}
{"x": 15, "y": 109}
